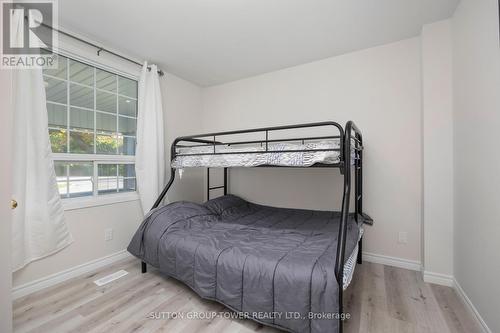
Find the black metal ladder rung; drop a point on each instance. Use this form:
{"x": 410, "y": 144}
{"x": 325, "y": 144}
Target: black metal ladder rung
{"x": 224, "y": 187}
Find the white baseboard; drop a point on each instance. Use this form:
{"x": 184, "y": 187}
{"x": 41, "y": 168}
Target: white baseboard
{"x": 392, "y": 261}
{"x": 438, "y": 278}
{"x": 470, "y": 306}
{"x": 51, "y": 280}
{"x": 430, "y": 277}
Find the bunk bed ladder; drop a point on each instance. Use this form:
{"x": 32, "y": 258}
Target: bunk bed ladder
{"x": 216, "y": 187}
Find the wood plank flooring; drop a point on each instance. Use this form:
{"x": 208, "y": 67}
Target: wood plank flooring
{"x": 380, "y": 299}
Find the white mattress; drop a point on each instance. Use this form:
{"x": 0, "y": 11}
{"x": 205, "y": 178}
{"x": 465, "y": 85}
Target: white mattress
{"x": 284, "y": 155}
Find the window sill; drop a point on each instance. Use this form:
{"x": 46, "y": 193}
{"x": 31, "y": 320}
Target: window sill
{"x": 87, "y": 202}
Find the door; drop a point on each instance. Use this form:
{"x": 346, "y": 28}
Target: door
{"x": 5, "y": 201}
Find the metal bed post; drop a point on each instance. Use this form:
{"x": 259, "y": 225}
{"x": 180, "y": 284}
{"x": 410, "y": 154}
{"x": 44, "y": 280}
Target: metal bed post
{"x": 358, "y": 184}
{"x": 225, "y": 181}
{"x": 208, "y": 184}
{"x": 158, "y": 201}
{"x": 341, "y": 239}
{"x": 144, "y": 267}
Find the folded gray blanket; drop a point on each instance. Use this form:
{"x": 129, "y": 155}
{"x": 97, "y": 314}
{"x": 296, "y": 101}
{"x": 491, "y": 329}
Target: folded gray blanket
{"x": 276, "y": 265}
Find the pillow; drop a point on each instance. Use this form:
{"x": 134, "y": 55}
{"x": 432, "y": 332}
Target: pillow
{"x": 221, "y": 204}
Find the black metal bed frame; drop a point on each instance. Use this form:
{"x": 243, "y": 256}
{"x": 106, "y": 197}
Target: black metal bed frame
{"x": 350, "y": 139}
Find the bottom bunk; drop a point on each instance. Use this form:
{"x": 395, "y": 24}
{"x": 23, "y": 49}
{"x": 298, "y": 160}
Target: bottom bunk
{"x": 275, "y": 265}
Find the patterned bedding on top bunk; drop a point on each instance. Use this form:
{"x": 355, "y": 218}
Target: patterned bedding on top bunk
{"x": 284, "y": 154}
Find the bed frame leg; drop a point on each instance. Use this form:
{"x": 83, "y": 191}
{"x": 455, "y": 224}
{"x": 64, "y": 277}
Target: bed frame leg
{"x": 360, "y": 251}
{"x": 144, "y": 268}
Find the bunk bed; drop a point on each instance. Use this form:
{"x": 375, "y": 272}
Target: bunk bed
{"x": 286, "y": 268}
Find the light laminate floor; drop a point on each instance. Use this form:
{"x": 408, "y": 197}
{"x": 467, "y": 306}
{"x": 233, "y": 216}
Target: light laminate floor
{"x": 380, "y": 299}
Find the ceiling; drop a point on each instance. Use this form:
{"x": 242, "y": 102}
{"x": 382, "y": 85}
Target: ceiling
{"x": 210, "y": 42}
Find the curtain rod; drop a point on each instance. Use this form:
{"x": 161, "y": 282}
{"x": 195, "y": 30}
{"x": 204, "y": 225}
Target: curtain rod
{"x": 99, "y": 48}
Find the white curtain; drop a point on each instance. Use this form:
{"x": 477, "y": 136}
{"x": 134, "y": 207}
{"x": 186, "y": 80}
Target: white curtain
{"x": 150, "y": 150}
{"x": 39, "y": 228}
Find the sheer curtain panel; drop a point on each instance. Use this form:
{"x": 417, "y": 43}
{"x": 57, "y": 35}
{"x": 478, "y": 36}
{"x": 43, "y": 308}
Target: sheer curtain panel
{"x": 150, "y": 150}
{"x": 38, "y": 224}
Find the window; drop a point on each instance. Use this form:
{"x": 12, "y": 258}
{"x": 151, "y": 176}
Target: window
{"x": 92, "y": 116}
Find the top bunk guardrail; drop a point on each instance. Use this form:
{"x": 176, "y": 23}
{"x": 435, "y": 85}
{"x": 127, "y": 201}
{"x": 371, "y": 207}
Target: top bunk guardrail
{"x": 214, "y": 143}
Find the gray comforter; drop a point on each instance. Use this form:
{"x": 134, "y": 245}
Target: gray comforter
{"x": 275, "y": 265}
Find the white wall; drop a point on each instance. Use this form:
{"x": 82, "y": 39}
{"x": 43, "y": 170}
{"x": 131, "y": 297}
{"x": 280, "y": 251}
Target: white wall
{"x": 182, "y": 107}
{"x": 378, "y": 88}
{"x": 476, "y": 71}
{"x": 87, "y": 226}
{"x": 181, "y": 104}
{"x": 5, "y": 197}
{"x": 437, "y": 133}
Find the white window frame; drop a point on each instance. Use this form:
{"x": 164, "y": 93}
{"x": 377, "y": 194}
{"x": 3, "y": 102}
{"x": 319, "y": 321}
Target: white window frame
{"x": 96, "y": 200}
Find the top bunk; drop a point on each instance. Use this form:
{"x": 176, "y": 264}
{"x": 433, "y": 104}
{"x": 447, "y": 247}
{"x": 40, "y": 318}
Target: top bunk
{"x": 322, "y": 144}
